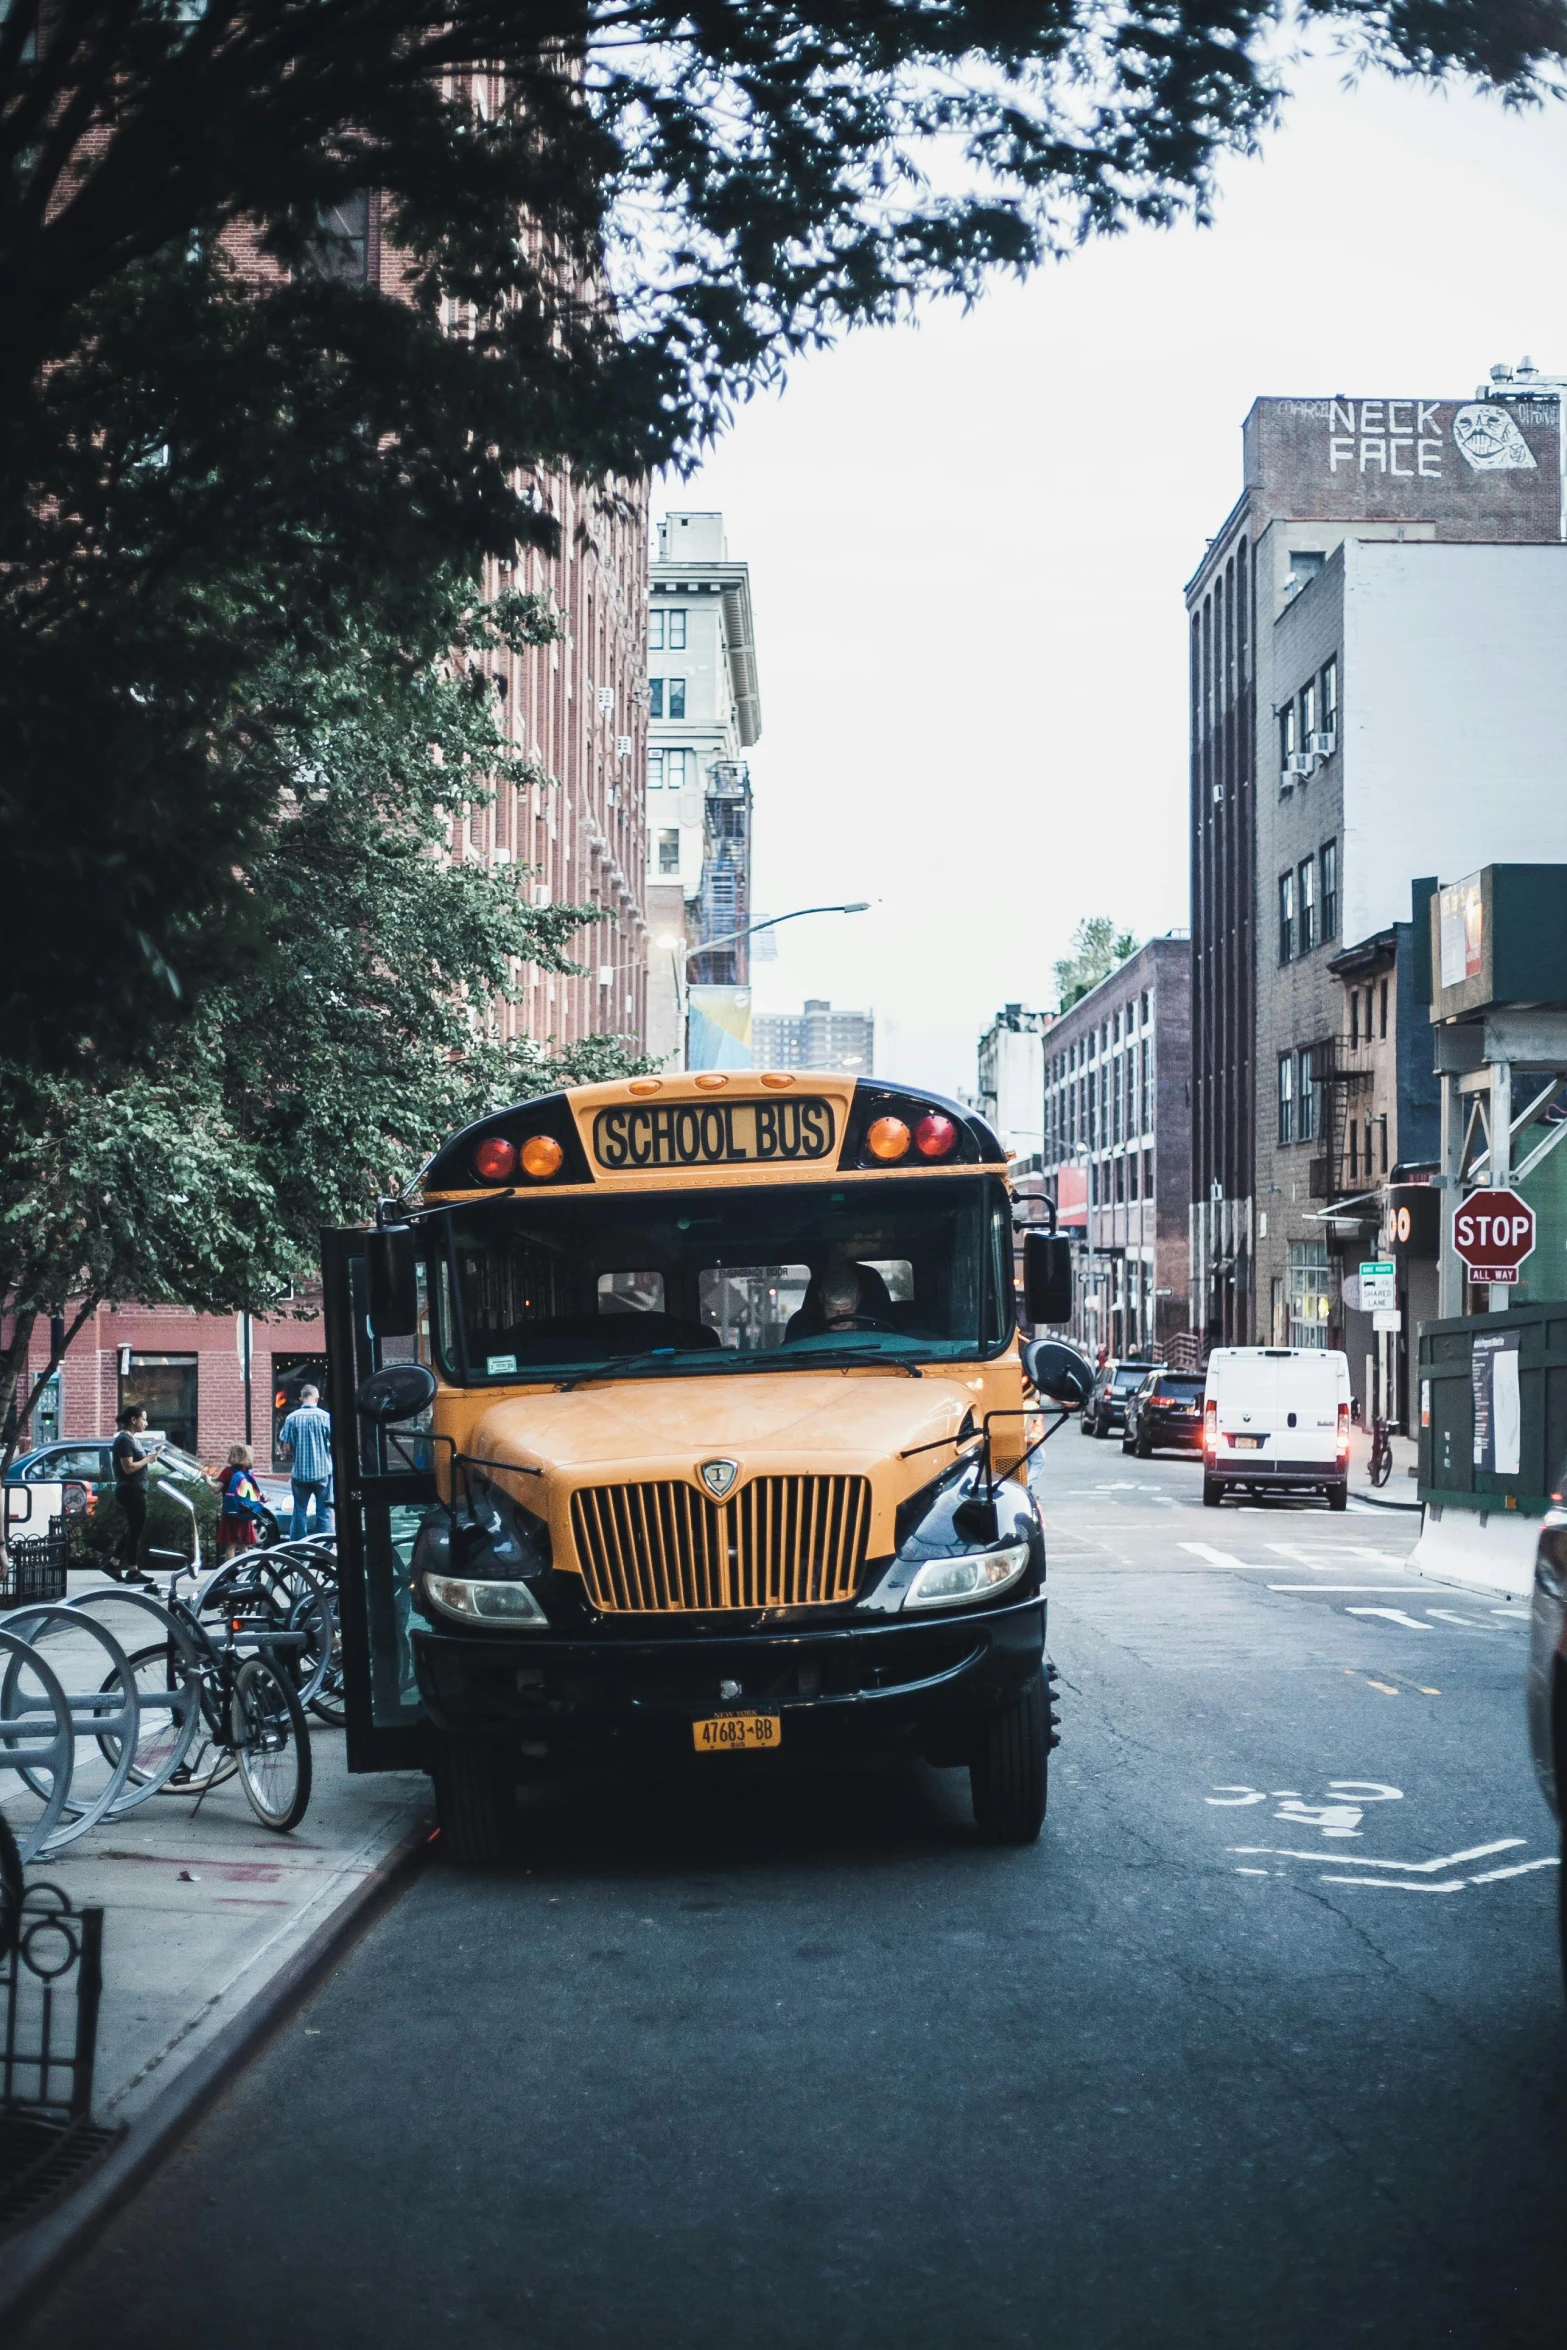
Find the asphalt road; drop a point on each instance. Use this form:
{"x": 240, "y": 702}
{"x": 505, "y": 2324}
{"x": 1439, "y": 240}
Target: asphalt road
{"x": 1263, "y": 2045}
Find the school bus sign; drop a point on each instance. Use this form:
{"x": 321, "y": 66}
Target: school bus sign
{"x": 1493, "y": 1232}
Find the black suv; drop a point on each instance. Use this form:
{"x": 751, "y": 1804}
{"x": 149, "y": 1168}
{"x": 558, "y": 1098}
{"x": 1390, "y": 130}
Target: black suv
{"x": 1114, "y": 1385}
{"x": 1165, "y": 1414}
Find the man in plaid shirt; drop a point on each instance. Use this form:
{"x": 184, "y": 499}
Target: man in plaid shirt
{"x": 306, "y": 1436}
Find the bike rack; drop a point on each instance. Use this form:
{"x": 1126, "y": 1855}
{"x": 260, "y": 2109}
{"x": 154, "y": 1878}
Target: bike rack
{"x": 24, "y": 1747}
{"x": 99, "y": 1714}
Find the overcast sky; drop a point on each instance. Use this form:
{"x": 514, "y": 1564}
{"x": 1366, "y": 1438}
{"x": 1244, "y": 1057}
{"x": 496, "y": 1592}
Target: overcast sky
{"x": 968, "y": 540}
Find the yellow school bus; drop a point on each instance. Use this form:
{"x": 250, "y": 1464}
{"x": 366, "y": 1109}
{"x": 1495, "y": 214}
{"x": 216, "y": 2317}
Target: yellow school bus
{"x": 682, "y": 1420}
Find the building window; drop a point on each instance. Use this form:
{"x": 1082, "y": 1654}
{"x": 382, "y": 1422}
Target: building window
{"x": 1120, "y": 1183}
{"x": 1286, "y": 917}
{"x": 1131, "y": 1175}
{"x": 1382, "y": 1024}
{"x": 1118, "y": 1070}
{"x": 1286, "y": 1097}
{"x": 1354, "y": 1016}
{"x": 1306, "y": 1111}
{"x": 1307, "y": 894}
{"x": 1309, "y": 1298}
{"x": 1147, "y": 1124}
{"x": 1330, "y": 889}
{"x": 655, "y": 771}
{"x": 1308, "y": 712}
{"x": 341, "y": 246}
{"x": 1289, "y": 737}
{"x": 655, "y": 697}
{"x": 669, "y": 850}
{"x": 1382, "y": 1142}
{"x": 677, "y": 697}
{"x": 1147, "y": 1007}
{"x": 1330, "y": 696}
{"x": 165, "y": 1386}
{"x": 655, "y": 632}
{"x": 677, "y": 770}
{"x": 1354, "y": 1152}
{"x": 1148, "y": 1174}
{"x": 675, "y": 632}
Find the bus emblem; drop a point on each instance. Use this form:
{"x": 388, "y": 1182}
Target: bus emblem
{"x": 718, "y": 1476}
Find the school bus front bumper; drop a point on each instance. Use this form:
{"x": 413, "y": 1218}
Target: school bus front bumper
{"x": 896, "y": 1686}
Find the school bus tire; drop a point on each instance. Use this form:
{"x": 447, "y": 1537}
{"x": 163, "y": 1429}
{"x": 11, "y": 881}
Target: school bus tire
{"x": 472, "y": 1802}
{"x": 1009, "y": 1769}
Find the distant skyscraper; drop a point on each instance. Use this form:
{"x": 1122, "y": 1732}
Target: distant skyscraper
{"x": 817, "y": 1038}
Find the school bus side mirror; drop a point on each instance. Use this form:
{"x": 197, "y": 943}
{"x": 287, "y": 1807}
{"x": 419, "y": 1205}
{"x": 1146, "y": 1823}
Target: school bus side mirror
{"x": 398, "y": 1391}
{"x": 391, "y": 1263}
{"x": 1047, "y": 1277}
{"x": 1058, "y": 1372}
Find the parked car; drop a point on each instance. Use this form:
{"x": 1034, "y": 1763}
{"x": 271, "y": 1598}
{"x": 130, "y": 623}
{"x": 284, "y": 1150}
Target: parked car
{"x": 1165, "y": 1414}
{"x": 1276, "y": 1419}
{"x": 1547, "y": 1681}
{"x": 82, "y": 1467}
{"x": 1115, "y": 1382}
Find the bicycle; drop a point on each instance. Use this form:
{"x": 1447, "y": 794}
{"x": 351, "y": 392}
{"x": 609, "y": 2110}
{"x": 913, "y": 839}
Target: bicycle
{"x": 1381, "y": 1452}
{"x": 250, "y": 1718}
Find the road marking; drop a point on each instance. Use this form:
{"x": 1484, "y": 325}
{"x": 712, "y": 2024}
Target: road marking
{"x": 1394, "y": 1615}
{"x": 1253, "y": 1872}
{"x": 1410, "y": 1868}
{"x": 1359, "y": 1611}
{"x": 1396, "y": 1884}
{"x": 1519, "y": 1614}
{"x": 1464, "y": 1623}
{"x": 1214, "y": 1558}
{"x": 1378, "y": 1558}
{"x": 1387, "y": 1690}
{"x": 1519, "y": 1869}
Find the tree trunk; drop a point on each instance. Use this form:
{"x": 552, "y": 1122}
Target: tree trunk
{"x": 13, "y": 1366}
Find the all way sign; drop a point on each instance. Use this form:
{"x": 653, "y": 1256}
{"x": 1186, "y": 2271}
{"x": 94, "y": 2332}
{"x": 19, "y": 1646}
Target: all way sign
{"x": 1493, "y": 1232}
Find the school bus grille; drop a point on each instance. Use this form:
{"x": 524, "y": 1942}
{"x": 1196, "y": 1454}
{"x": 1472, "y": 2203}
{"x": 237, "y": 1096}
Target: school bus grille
{"x": 778, "y": 1542}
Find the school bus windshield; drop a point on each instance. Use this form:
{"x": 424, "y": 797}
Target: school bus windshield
{"x": 761, "y": 1278}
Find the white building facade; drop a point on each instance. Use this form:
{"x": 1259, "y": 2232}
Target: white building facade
{"x": 704, "y": 713}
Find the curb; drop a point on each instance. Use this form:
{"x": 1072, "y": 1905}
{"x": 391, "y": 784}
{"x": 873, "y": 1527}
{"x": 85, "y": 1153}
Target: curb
{"x": 1380, "y": 1502}
{"x": 37, "y": 2259}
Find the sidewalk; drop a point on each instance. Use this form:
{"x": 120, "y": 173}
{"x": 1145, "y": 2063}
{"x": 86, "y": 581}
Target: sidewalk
{"x": 1400, "y": 1487}
{"x": 203, "y": 1908}
{"x": 213, "y": 1927}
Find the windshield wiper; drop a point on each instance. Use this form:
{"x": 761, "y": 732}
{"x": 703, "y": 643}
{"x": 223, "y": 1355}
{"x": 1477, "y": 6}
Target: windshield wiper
{"x": 613, "y": 1363}
{"x": 863, "y": 1354}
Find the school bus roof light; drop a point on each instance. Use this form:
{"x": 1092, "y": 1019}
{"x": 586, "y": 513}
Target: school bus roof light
{"x": 496, "y": 1158}
{"x": 888, "y": 1139}
{"x": 541, "y": 1155}
{"x": 934, "y": 1136}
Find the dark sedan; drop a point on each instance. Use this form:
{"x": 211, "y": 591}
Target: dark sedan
{"x": 1115, "y": 1383}
{"x": 1165, "y": 1415}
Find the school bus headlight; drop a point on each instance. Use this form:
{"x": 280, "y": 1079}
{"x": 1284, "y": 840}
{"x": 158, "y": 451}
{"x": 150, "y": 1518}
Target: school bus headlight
{"x": 949, "y": 1582}
{"x": 511, "y": 1604}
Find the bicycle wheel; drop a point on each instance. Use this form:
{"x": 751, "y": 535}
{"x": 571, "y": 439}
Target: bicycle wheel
{"x": 170, "y": 1714}
{"x": 271, "y": 1744}
{"x": 328, "y": 1702}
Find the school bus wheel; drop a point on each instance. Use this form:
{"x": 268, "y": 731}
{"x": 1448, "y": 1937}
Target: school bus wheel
{"x": 473, "y": 1800}
{"x": 1009, "y": 1767}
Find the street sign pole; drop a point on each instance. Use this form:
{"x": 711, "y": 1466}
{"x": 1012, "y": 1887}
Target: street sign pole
{"x": 1501, "y": 1151}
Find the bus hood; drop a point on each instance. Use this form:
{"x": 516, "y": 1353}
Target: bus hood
{"x": 784, "y": 1423}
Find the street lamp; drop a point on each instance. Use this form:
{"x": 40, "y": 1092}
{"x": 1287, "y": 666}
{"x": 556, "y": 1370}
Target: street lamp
{"x": 684, "y": 954}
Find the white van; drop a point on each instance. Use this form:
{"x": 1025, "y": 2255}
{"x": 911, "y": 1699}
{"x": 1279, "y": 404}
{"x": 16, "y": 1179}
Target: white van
{"x": 1276, "y": 1419}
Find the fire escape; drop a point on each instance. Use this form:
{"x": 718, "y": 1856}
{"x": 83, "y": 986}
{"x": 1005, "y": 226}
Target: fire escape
{"x": 1341, "y": 1070}
{"x": 725, "y": 904}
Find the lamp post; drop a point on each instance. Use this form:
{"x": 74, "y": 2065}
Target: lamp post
{"x": 683, "y": 955}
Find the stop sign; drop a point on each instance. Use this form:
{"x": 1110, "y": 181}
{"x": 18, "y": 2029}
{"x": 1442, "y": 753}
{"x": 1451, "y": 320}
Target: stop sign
{"x": 1493, "y": 1231}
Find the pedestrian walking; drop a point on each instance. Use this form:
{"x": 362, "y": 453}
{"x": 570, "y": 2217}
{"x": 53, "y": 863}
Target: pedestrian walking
{"x": 306, "y": 1436}
{"x": 132, "y": 1469}
{"x": 240, "y": 1509}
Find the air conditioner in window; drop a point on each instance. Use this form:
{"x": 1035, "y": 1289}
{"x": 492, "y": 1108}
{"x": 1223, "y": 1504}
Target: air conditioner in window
{"x": 1323, "y": 745}
{"x": 1298, "y": 766}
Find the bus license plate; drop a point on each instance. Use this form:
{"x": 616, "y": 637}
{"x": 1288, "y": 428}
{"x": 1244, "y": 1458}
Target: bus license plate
{"x": 736, "y": 1733}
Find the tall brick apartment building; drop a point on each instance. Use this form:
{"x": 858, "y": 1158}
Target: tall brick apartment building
{"x": 1117, "y": 1147}
{"x": 579, "y": 709}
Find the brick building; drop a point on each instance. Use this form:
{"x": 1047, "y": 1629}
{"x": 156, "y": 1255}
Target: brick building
{"x": 578, "y": 708}
{"x": 1117, "y": 1147}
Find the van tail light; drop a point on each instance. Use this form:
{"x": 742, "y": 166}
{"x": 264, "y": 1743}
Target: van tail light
{"x": 1210, "y": 1427}
{"x": 1343, "y": 1431}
